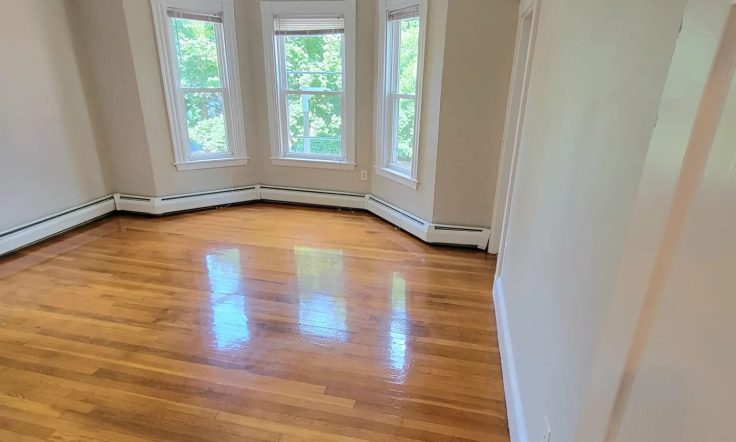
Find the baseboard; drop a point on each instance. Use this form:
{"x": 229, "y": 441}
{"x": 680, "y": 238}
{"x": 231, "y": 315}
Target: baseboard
{"x": 312, "y": 197}
{"x": 398, "y": 217}
{"x": 35, "y": 231}
{"x": 514, "y": 408}
{"x": 26, "y": 234}
{"x": 190, "y": 201}
{"x": 425, "y": 230}
{"x": 458, "y": 235}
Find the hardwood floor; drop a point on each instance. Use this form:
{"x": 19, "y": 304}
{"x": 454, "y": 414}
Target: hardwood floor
{"x": 259, "y": 322}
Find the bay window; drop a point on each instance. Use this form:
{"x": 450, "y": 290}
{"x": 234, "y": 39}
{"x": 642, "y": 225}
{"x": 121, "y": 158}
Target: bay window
{"x": 401, "y": 47}
{"x": 196, "y": 40}
{"x": 310, "y": 64}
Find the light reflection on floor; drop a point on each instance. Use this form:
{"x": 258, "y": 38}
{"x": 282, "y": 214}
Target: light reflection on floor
{"x": 229, "y": 311}
{"x": 322, "y": 309}
{"x": 397, "y": 329}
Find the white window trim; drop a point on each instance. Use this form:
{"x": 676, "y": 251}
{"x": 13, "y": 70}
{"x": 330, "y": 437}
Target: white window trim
{"x": 278, "y": 153}
{"x": 383, "y": 146}
{"x": 229, "y": 77}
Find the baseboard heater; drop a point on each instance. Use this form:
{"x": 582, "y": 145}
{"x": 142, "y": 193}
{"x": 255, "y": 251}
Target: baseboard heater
{"x": 35, "y": 231}
{"x": 42, "y": 228}
{"x": 426, "y": 231}
{"x": 190, "y": 201}
{"x": 313, "y": 197}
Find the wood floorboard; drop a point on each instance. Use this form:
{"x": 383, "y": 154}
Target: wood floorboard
{"x": 260, "y": 322}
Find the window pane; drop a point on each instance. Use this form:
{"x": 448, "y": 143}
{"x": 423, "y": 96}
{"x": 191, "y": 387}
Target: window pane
{"x": 314, "y": 62}
{"x": 408, "y": 55}
{"x": 403, "y": 151}
{"x": 315, "y": 124}
{"x": 205, "y": 123}
{"x": 196, "y": 52}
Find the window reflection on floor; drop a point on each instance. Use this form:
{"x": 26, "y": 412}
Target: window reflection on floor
{"x": 322, "y": 310}
{"x": 397, "y": 329}
{"x": 229, "y": 311}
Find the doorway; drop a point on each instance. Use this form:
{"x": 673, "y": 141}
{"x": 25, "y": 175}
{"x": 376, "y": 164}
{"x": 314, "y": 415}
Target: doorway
{"x": 525, "y": 40}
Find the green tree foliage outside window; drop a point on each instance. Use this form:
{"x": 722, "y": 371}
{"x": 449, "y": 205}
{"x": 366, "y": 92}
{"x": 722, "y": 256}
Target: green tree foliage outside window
{"x": 196, "y": 49}
{"x": 314, "y": 63}
{"x": 407, "y": 70}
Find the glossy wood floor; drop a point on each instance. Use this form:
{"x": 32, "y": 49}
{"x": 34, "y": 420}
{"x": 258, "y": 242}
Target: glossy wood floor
{"x": 257, "y": 322}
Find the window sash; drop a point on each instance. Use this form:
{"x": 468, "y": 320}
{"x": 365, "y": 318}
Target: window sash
{"x": 194, "y": 15}
{"x": 402, "y": 13}
{"x": 393, "y": 96}
{"x": 226, "y": 111}
{"x": 227, "y": 95}
{"x": 283, "y": 108}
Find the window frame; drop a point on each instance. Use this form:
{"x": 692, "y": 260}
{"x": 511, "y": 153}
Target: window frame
{"x": 278, "y": 114}
{"x": 232, "y": 96}
{"x": 386, "y": 118}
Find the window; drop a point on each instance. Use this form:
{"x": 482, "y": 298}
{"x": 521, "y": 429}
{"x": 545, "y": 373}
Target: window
{"x": 196, "y": 40}
{"x": 398, "y": 103}
{"x": 310, "y": 67}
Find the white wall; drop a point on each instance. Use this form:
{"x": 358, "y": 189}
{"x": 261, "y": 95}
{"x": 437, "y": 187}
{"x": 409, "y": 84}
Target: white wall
{"x": 620, "y": 341}
{"x": 49, "y": 155}
{"x": 683, "y": 389}
{"x": 595, "y": 88}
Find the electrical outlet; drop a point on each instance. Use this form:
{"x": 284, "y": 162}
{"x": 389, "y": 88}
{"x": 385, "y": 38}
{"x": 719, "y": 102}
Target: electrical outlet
{"x": 547, "y": 430}
{"x": 364, "y": 175}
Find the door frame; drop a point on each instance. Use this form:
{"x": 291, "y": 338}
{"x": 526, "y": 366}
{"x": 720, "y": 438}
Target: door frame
{"x": 515, "y": 112}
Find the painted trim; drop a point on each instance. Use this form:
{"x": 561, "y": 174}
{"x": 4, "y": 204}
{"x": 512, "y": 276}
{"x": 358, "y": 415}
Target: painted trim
{"x": 382, "y": 118}
{"x": 209, "y": 164}
{"x": 312, "y": 163}
{"x": 232, "y": 95}
{"x": 425, "y": 230}
{"x": 396, "y": 176}
{"x": 34, "y": 231}
{"x": 422, "y": 229}
{"x": 514, "y": 408}
{"x": 42, "y": 228}
{"x": 313, "y": 197}
{"x": 179, "y": 203}
{"x": 513, "y": 127}
{"x": 466, "y": 236}
{"x": 276, "y": 108}
{"x": 396, "y": 216}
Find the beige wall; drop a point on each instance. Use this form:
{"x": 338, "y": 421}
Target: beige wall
{"x": 307, "y": 177}
{"x": 596, "y": 84}
{"x": 119, "y": 63}
{"x": 420, "y": 202}
{"x": 49, "y": 155}
{"x": 104, "y": 54}
{"x": 479, "y": 51}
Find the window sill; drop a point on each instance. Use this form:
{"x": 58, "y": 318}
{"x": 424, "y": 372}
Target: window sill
{"x": 319, "y": 164}
{"x": 396, "y": 176}
{"x": 209, "y": 164}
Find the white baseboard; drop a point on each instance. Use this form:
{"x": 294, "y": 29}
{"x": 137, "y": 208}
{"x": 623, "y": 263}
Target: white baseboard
{"x": 398, "y": 217}
{"x": 191, "y": 201}
{"x": 426, "y": 231}
{"x": 42, "y": 228}
{"x": 458, "y": 235}
{"x": 313, "y": 197}
{"x": 514, "y": 408}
